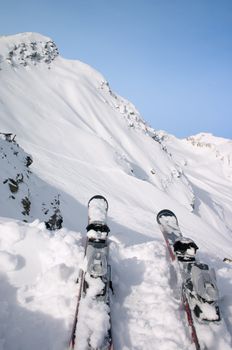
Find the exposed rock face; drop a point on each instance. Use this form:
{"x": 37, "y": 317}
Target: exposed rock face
{"x": 20, "y": 190}
{"x": 27, "y": 49}
{"x": 55, "y": 221}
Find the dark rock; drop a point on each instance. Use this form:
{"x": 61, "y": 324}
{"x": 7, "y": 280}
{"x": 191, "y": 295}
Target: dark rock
{"x": 55, "y": 221}
{"x": 19, "y": 178}
{"x": 29, "y": 161}
{"x": 13, "y": 185}
{"x": 26, "y": 203}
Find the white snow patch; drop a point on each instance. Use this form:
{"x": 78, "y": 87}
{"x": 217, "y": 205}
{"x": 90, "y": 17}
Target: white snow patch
{"x": 37, "y": 288}
{"x": 8, "y": 261}
{"x": 92, "y": 312}
{"x": 97, "y": 210}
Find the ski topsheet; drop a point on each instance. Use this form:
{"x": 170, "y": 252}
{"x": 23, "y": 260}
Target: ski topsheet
{"x": 199, "y": 292}
{"x": 92, "y": 324}
{"x": 169, "y": 226}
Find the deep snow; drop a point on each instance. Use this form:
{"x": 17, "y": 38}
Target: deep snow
{"x": 86, "y": 140}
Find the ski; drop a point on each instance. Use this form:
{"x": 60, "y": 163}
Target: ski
{"x": 199, "y": 291}
{"x": 95, "y": 279}
{"x": 73, "y": 332}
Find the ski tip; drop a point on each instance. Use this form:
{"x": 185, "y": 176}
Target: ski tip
{"x": 99, "y": 196}
{"x": 165, "y": 212}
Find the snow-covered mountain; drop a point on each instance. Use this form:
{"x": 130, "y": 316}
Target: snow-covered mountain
{"x": 84, "y": 140}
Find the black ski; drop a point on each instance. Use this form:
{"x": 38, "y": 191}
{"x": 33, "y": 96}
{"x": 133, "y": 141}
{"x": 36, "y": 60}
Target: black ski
{"x": 97, "y": 266}
{"x": 169, "y": 227}
{"x": 198, "y": 285}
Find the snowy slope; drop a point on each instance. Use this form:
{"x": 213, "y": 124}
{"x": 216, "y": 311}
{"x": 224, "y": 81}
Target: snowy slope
{"x": 84, "y": 139}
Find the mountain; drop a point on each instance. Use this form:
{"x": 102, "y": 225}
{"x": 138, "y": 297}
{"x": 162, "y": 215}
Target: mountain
{"x": 66, "y": 136}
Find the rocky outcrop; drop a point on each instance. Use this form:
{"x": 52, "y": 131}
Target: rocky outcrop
{"x": 22, "y": 195}
{"x": 27, "y": 49}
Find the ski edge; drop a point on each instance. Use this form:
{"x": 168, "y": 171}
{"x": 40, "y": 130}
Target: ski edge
{"x": 73, "y": 332}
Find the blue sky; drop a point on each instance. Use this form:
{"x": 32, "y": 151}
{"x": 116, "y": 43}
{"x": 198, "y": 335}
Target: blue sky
{"x": 171, "y": 58}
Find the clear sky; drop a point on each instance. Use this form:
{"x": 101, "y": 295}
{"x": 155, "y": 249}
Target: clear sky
{"x": 171, "y": 58}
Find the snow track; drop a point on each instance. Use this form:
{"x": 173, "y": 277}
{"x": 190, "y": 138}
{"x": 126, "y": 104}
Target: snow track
{"x": 38, "y": 293}
{"x": 144, "y": 301}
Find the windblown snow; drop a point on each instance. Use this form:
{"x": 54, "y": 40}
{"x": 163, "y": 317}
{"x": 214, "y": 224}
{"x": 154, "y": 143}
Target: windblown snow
{"x": 85, "y": 140}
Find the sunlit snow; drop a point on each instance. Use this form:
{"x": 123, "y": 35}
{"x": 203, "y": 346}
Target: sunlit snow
{"x": 86, "y": 140}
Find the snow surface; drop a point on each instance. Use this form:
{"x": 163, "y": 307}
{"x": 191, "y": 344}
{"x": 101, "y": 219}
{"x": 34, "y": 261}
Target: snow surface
{"x": 92, "y": 313}
{"x": 97, "y": 210}
{"x": 86, "y": 140}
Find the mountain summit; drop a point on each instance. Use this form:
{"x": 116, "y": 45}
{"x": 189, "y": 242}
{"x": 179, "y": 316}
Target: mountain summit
{"x": 27, "y": 48}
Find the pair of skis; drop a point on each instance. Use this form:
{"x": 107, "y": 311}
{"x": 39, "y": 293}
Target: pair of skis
{"x": 95, "y": 278}
{"x": 198, "y": 283}
{"x": 199, "y": 291}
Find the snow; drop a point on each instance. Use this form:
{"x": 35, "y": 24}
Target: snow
{"x": 86, "y": 140}
{"x": 92, "y": 313}
{"x": 144, "y": 299}
{"x": 8, "y": 261}
{"x": 190, "y": 251}
{"x": 97, "y": 210}
{"x": 97, "y": 234}
{"x": 37, "y": 289}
